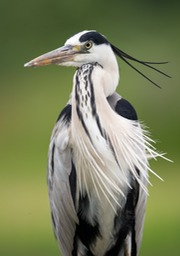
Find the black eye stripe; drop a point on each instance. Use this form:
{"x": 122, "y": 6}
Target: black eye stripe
{"x": 95, "y": 37}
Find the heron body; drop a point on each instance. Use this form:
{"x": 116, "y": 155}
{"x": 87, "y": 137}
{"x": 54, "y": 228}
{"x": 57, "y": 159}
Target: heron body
{"x": 98, "y": 156}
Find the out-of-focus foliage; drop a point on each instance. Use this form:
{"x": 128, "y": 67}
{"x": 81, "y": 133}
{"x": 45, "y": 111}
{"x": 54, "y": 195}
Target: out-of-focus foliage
{"x": 30, "y": 101}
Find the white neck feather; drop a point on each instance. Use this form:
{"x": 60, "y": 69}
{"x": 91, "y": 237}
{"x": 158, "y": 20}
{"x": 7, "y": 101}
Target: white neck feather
{"x": 110, "y": 72}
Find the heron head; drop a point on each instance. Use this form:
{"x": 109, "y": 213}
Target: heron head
{"x": 84, "y": 47}
{"x": 89, "y": 47}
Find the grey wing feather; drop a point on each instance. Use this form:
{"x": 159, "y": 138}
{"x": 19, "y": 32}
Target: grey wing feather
{"x": 125, "y": 109}
{"x": 140, "y": 215}
{"x": 64, "y": 217}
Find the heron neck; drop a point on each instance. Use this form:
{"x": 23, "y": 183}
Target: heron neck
{"x": 108, "y": 76}
{"x": 92, "y": 85}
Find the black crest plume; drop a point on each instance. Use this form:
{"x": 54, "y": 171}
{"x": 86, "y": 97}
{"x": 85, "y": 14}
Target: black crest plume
{"x": 124, "y": 56}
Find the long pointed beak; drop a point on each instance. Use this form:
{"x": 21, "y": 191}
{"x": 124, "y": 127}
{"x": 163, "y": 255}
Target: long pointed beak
{"x": 58, "y": 56}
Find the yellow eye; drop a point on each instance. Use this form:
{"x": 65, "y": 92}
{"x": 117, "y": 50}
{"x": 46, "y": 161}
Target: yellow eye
{"x": 88, "y": 44}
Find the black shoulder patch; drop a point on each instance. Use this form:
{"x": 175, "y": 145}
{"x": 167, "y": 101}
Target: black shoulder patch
{"x": 125, "y": 109}
{"x": 95, "y": 37}
{"x": 72, "y": 183}
{"x": 65, "y": 114}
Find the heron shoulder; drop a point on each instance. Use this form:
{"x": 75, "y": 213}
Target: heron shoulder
{"x": 65, "y": 114}
{"x": 125, "y": 109}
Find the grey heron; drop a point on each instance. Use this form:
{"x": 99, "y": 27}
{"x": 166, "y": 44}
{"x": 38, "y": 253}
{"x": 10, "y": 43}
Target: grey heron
{"x": 98, "y": 154}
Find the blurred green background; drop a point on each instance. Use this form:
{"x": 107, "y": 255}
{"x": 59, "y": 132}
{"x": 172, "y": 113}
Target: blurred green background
{"x": 30, "y": 101}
